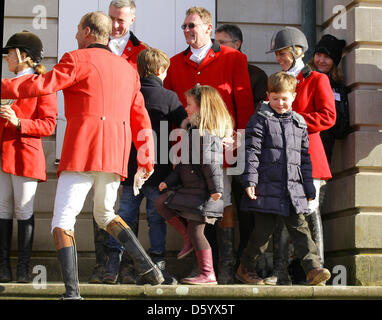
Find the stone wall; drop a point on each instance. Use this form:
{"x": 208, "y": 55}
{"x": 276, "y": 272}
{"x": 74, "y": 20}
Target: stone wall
{"x": 352, "y": 210}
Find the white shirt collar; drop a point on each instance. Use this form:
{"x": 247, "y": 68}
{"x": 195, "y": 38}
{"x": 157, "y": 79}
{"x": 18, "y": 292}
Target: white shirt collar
{"x": 24, "y": 72}
{"x": 118, "y": 45}
{"x": 199, "y": 54}
{"x": 298, "y": 66}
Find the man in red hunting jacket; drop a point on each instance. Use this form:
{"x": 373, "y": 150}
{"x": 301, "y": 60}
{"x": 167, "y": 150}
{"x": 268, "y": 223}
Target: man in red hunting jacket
{"x": 207, "y": 63}
{"x": 122, "y": 41}
{"x": 105, "y": 111}
{"x": 125, "y": 44}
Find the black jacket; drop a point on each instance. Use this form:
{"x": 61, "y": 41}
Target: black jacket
{"x": 342, "y": 126}
{"x": 277, "y": 163}
{"x": 165, "y": 110}
{"x": 198, "y": 175}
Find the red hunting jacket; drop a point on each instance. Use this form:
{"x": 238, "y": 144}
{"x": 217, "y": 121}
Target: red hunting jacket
{"x": 104, "y": 109}
{"x": 132, "y": 49}
{"x": 315, "y": 102}
{"x": 223, "y": 68}
{"x": 21, "y": 151}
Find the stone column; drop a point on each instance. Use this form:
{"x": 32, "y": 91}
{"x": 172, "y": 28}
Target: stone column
{"x": 352, "y": 211}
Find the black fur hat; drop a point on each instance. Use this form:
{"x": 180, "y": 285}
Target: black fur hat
{"x": 331, "y": 46}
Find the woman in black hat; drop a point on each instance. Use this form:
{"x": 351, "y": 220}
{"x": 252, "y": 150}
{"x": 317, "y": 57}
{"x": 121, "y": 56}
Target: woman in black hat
{"x": 22, "y": 162}
{"x": 327, "y": 56}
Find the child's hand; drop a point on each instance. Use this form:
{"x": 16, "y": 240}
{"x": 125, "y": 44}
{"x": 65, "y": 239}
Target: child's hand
{"x": 162, "y": 186}
{"x": 216, "y": 196}
{"x": 251, "y": 193}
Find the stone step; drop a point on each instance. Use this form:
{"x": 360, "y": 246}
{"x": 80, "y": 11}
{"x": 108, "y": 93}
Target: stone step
{"x": 230, "y": 293}
{"x": 86, "y": 262}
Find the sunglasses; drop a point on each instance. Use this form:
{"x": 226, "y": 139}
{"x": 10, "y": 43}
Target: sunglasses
{"x": 190, "y": 25}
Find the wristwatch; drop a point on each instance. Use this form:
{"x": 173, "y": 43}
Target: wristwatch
{"x": 18, "y": 127}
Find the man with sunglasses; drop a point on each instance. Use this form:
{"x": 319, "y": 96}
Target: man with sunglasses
{"x": 205, "y": 62}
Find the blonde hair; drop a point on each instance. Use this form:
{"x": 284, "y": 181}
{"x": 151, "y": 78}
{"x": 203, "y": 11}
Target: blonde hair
{"x": 299, "y": 52}
{"x": 281, "y": 82}
{"x": 38, "y": 67}
{"x": 214, "y": 116}
{"x": 203, "y": 13}
{"x": 150, "y": 60}
{"x": 100, "y": 25}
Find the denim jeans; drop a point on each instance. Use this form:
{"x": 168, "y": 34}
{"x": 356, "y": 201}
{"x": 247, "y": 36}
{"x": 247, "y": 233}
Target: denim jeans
{"x": 129, "y": 211}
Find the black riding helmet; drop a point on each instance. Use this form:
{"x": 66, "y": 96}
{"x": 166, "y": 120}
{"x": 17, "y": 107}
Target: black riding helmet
{"x": 288, "y": 37}
{"x": 28, "y": 42}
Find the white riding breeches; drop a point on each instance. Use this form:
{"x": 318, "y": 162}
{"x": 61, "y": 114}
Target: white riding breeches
{"x": 17, "y": 196}
{"x": 72, "y": 189}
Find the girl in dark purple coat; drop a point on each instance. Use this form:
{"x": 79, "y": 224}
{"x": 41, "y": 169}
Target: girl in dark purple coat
{"x": 195, "y": 187}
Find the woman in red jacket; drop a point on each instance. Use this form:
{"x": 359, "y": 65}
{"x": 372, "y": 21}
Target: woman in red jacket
{"x": 315, "y": 102}
{"x": 22, "y": 123}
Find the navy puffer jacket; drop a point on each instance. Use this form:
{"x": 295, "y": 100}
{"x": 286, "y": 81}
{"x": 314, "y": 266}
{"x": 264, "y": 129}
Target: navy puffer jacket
{"x": 277, "y": 163}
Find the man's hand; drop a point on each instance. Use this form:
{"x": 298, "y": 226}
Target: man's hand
{"x": 139, "y": 179}
{"x": 251, "y": 193}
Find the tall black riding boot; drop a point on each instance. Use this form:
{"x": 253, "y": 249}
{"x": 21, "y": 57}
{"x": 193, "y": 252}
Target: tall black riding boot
{"x": 225, "y": 239}
{"x": 126, "y": 269}
{"x": 101, "y": 251}
{"x": 25, "y": 241}
{"x": 280, "y": 274}
{"x": 5, "y": 249}
{"x": 315, "y": 226}
{"x": 160, "y": 261}
{"x": 67, "y": 256}
{"x": 144, "y": 266}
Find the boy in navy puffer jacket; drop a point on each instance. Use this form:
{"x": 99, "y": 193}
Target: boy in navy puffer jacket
{"x": 278, "y": 180}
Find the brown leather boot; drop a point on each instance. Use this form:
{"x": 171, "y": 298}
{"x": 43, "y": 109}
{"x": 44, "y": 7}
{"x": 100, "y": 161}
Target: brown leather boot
{"x": 317, "y": 276}
{"x": 248, "y": 277}
{"x": 206, "y": 268}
